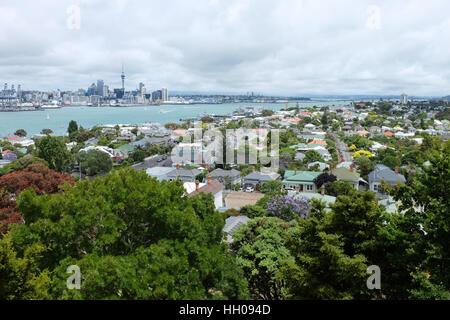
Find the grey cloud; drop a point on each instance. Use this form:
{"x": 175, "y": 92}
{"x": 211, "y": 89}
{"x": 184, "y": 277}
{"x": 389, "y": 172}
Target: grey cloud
{"x": 278, "y": 47}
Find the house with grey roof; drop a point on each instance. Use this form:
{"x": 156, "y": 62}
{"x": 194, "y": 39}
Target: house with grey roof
{"x": 232, "y": 224}
{"x": 160, "y": 173}
{"x": 257, "y": 178}
{"x": 184, "y": 175}
{"x": 384, "y": 173}
{"x": 226, "y": 176}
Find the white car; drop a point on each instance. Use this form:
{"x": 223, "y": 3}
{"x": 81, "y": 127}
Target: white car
{"x": 249, "y": 189}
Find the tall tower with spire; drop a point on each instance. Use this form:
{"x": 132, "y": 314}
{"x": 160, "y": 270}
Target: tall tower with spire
{"x": 123, "y": 80}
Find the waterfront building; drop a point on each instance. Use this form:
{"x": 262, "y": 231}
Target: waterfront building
{"x": 165, "y": 94}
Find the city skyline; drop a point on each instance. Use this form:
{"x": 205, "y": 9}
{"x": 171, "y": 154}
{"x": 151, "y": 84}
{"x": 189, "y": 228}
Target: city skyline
{"x": 293, "y": 48}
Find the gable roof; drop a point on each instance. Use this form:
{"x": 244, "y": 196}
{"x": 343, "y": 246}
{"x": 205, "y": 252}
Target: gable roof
{"x": 224, "y": 173}
{"x": 387, "y": 175}
{"x": 345, "y": 174}
{"x": 300, "y": 176}
{"x": 209, "y": 188}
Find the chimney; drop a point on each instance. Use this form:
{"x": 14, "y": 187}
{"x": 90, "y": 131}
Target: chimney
{"x": 209, "y": 179}
{"x": 197, "y": 185}
{"x": 178, "y": 166}
{"x": 351, "y": 168}
{"x": 323, "y": 191}
{"x": 396, "y": 170}
{"x": 295, "y": 171}
{"x": 335, "y": 165}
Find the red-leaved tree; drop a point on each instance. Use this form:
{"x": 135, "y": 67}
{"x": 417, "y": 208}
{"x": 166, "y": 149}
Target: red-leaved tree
{"x": 37, "y": 177}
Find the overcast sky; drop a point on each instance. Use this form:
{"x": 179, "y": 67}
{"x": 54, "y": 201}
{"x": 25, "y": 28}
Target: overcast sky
{"x": 290, "y": 47}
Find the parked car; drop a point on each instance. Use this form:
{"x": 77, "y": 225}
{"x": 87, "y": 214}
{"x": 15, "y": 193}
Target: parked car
{"x": 249, "y": 189}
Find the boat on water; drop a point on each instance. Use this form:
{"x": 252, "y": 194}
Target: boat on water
{"x": 53, "y": 105}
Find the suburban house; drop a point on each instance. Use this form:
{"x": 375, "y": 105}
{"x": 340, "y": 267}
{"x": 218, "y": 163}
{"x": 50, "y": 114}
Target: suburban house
{"x": 236, "y": 200}
{"x": 184, "y": 175}
{"x": 347, "y": 175}
{"x": 226, "y": 176}
{"x": 255, "y": 179}
{"x": 160, "y": 173}
{"x": 213, "y": 187}
{"x": 302, "y": 181}
{"x": 382, "y": 172}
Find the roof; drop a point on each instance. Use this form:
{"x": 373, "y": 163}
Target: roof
{"x": 184, "y": 173}
{"x": 159, "y": 171}
{"x": 190, "y": 186}
{"x": 387, "y": 175}
{"x": 126, "y": 147}
{"x": 224, "y": 173}
{"x": 345, "y": 174}
{"x": 303, "y": 176}
{"x": 232, "y": 223}
{"x": 259, "y": 176}
{"x": 317, "y": 141}
{"x": 210, "y": 188}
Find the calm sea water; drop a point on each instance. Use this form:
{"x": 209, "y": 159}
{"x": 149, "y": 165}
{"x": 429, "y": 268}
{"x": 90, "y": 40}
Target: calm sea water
{"x": 58, "y": 120}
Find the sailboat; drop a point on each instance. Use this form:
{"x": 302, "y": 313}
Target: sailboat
{"x": 48, "y": 116}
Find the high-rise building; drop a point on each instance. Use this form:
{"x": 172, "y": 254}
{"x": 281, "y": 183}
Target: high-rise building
{"x": 142, "y": 89}
{"x": 100, "y": 87}
{"x": 404, "y": 99}
{"x": 165, "y": 94}
{"x": 92, "y": 90}
{"x": 157, "y": 95}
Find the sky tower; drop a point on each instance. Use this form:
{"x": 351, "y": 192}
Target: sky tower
{"x": 123, "y": 80}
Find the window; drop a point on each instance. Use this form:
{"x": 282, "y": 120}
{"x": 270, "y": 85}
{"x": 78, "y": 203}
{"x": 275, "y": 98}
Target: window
{"x": 309, "y": 187}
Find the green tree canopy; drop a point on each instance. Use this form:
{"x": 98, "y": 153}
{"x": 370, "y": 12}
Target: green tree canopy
{"x": 54, "y": 151}
{"x": 94, "y": 162}
{"x": 133, "y": 237}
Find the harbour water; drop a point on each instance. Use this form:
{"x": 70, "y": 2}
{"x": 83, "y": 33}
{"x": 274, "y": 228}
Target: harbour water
{"x": 58, "y": 119}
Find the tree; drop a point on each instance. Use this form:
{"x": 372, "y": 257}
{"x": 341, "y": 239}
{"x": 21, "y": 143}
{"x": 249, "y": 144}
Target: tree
{"x": 320, "y": 268}
{"x": 47, "y": 131}
{"x": 84, "y": 136}
{"x": 20, "y": 277}
{"x": 312, "y": 156}
{"x": 338, "y": 188}
{"x": 260, "y": 250}
{"x": 287, "y": 207}
{"x": 422, "y": 232}
{"x": 365, "y": 166}
{"x": 20, "y": 133}
{"x": 362, "y": 153}
{"x": 94, "y": 162}
{"x": 271, "y": 187}
{"x": 267, "y": 113}
{"x": 323, "y": 178}
{"x": 73, "y": 127}
{"x": 391, "y": 161}
{"x": 133, "y": 238}
{"x": 252, "y": 211}
{"x": 139, "y": 155}
{"x": 36, "y": 177}
{"x": 54, "y": 151}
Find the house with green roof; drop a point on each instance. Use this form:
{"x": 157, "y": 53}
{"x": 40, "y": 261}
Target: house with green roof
{"x": 302, "y": 181}
{"x": 347, "y": 175}
{"x": 128, "y": 148}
